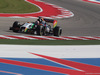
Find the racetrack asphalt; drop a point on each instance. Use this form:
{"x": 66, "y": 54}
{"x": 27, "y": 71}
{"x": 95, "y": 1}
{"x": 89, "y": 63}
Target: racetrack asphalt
{"x": 86, "y": 21}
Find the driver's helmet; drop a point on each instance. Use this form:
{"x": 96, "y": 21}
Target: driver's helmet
{"x": 40, "y": 19}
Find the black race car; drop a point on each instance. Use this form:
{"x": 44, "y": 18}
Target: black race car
{"x": 38, "y": 28}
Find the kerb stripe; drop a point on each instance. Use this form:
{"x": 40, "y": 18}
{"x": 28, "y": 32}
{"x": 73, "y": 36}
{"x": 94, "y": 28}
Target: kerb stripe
{"x": 33, "y": 37}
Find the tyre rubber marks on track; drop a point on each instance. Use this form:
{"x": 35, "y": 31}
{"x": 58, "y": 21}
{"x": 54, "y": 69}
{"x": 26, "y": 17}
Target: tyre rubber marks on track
{"x": 46, "y": 10}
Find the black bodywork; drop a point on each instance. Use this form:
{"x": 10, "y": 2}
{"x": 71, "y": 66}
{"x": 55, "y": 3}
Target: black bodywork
{"x": 38, "y": 29}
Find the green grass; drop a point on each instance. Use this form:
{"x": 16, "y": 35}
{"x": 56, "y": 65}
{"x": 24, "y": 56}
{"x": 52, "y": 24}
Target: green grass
{"x": 50, "y": 42}
{"x": 17, "y": 6}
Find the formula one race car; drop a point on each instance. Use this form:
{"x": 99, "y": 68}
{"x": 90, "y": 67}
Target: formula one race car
{"x": 40, "y": 27}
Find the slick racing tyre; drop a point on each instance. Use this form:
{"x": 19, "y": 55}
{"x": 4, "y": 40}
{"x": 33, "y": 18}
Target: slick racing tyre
{"x": 16, "y": 26}
{"x": 57, "y": 31}
{"x": 40, "y": 30}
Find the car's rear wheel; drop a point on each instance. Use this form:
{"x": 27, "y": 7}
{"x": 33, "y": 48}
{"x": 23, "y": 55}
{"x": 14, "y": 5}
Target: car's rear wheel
{"x": 57, "y": 31}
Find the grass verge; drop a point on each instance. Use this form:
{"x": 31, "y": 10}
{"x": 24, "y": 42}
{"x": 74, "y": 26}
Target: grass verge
{"x": 50, "y": 42}
{"x": 17, "y": 6}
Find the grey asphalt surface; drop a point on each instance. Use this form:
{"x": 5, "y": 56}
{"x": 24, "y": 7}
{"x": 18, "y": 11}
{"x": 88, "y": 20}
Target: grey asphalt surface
{"x": 86, "y": 21}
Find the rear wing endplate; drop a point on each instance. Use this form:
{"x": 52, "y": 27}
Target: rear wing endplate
{"x": 51, "y": 21}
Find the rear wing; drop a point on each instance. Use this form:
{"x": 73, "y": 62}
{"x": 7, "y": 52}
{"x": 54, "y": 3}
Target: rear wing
{"x": 51, "y": 21}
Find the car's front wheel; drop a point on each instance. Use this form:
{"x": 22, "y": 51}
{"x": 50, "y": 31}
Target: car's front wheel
{"x": 40, "y": 30}
{"x": 15, "y": 26}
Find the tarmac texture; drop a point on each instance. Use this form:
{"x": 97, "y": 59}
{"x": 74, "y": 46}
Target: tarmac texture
{"x": 86, "y": 20}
